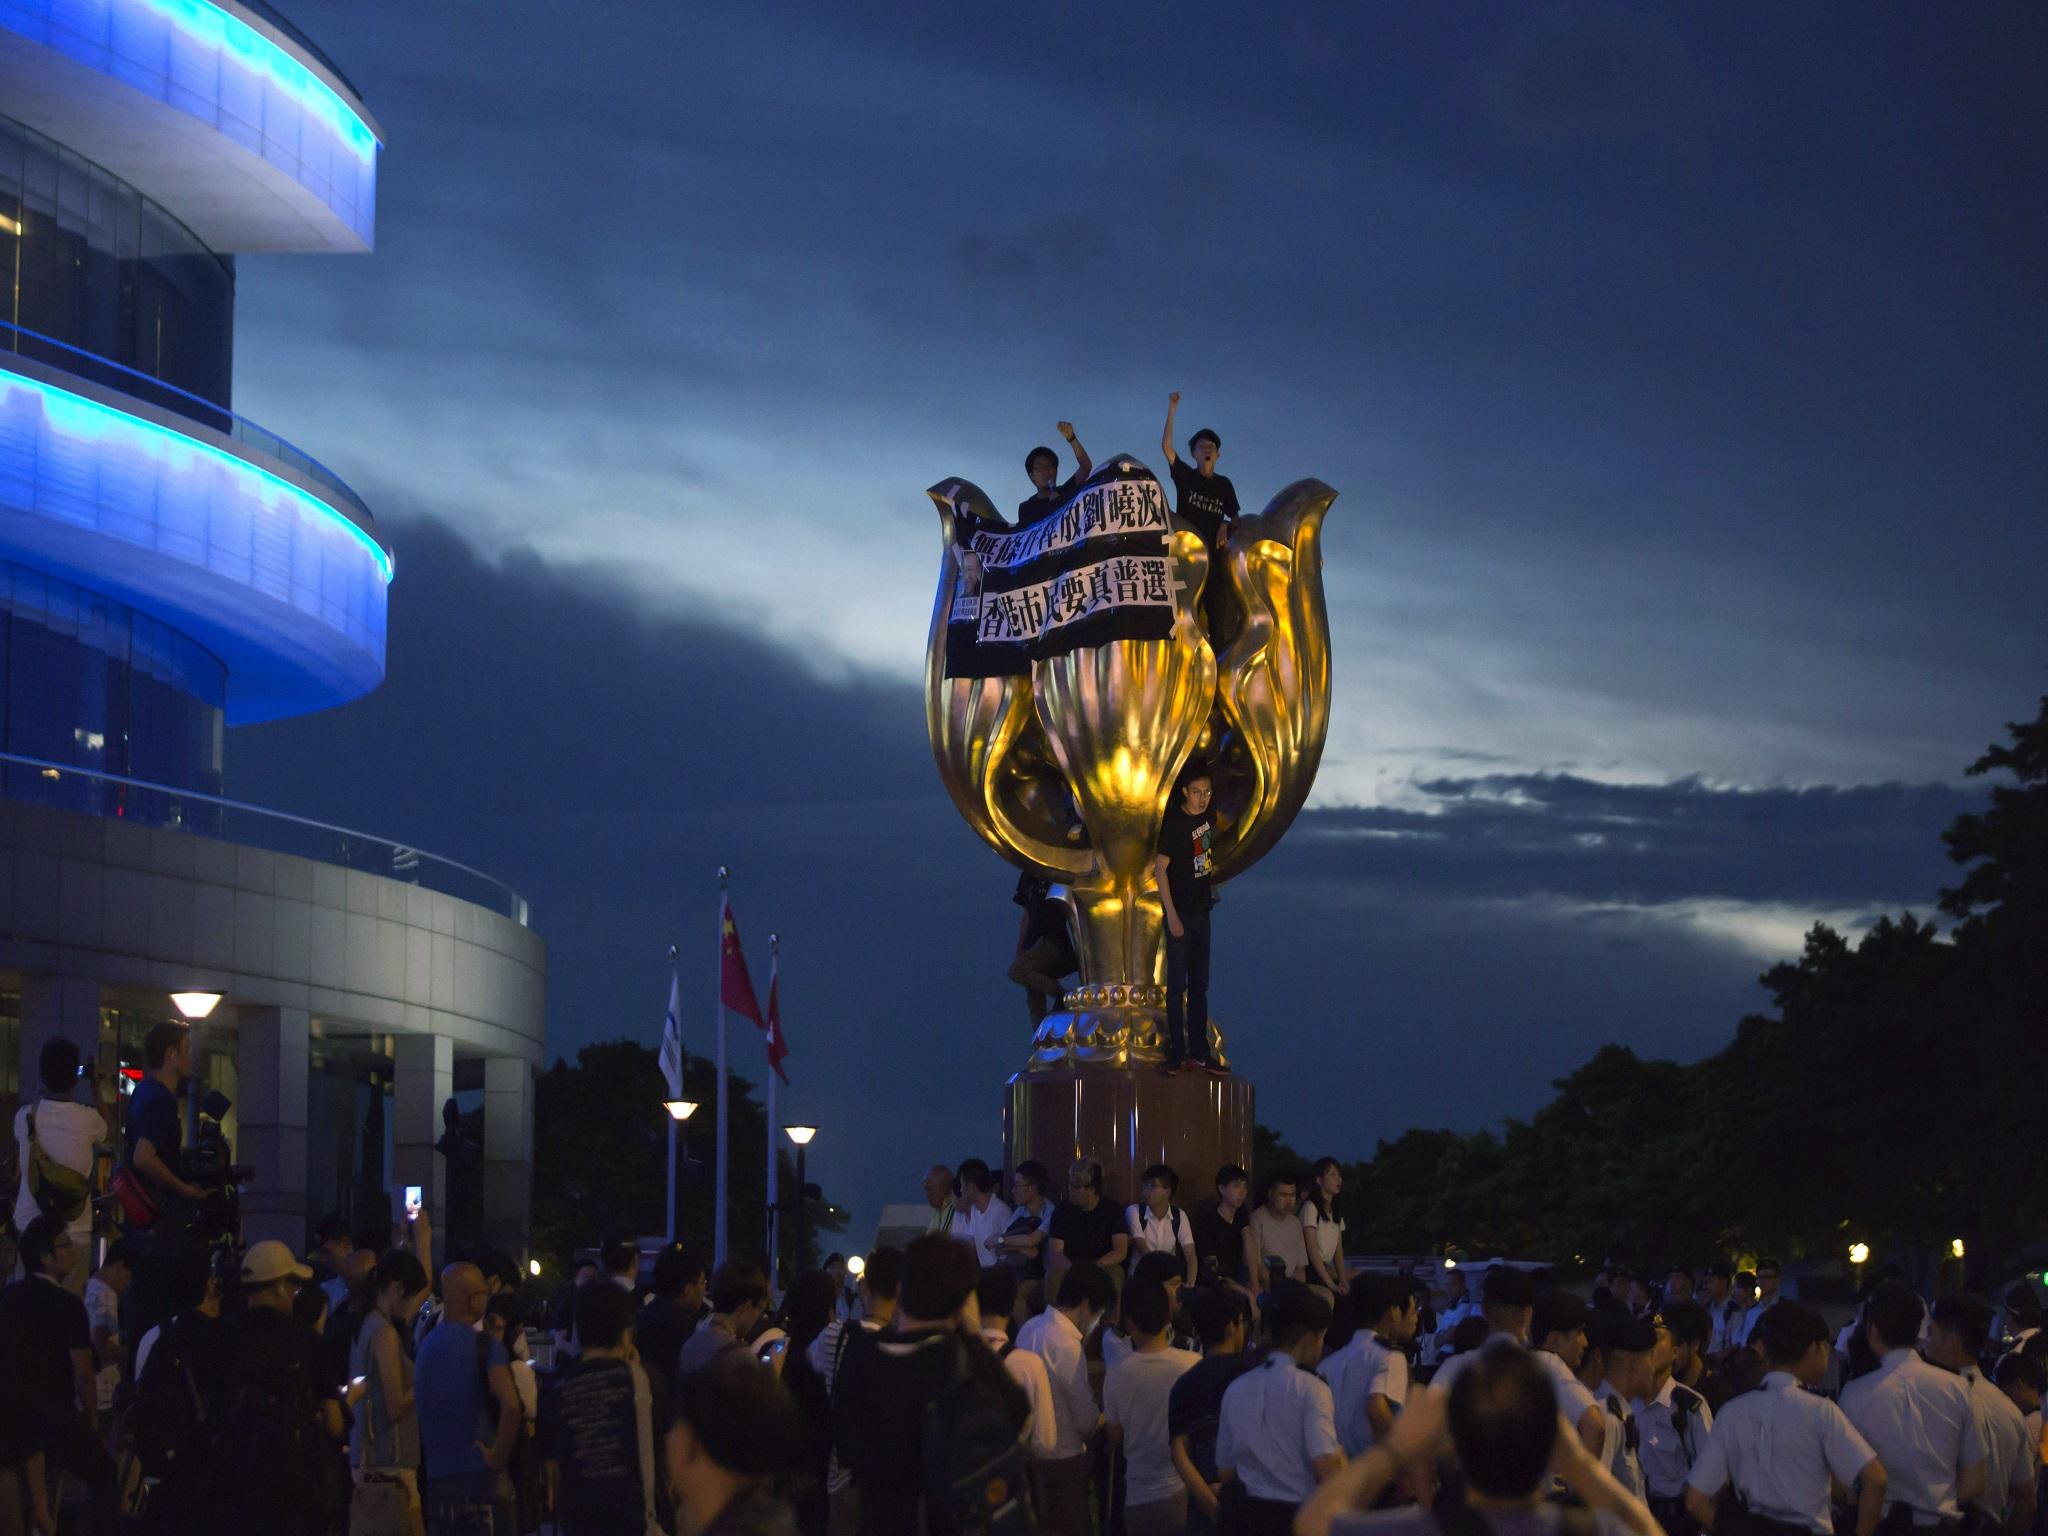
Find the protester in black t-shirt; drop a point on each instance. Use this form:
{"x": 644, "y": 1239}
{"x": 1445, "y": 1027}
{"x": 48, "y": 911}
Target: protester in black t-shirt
{"x": 1206, "y": 502}
{"x": 1045, "y": 946}
{"x": 1042, "y": 464}
{"x": 46, "y": 1346}
{"x": 281, "y": 1417}
{"x": 1085, "y": 1228}
{"x": 1185, "y": 862}
{"x": 667, "y": 1321}
{"x": 601, "y": 1472}
{"x": 1219, "y": 1230}
{"x": 1194, "y": 1406}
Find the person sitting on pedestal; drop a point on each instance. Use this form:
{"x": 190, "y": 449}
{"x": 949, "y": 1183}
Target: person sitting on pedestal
{"x": 1182, "y": 867}
{"x": 1045, "y": 947}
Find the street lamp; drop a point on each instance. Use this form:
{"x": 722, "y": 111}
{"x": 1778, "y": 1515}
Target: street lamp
{"x": 1859, "y": 1253}
{"x": 856, "y": 1266}
{"x": 801, "y": 1135}
{"x": 1955, "y": 1248}
{"x": 679, "y": 1109}
{"x": 533, "y": 1268}
{"x": 192, "y": 1008}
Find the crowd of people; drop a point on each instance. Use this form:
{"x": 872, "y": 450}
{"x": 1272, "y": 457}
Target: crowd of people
{"x": 1041, "y": 1358}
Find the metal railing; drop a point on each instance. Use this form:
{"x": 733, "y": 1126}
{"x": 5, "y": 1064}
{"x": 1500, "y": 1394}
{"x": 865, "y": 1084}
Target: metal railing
{"x": 40, "y": 781}
{"x": 134, "y": 382}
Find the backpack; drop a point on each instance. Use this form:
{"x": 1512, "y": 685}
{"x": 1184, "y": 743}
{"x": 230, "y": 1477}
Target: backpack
{"x": 976, "y": 1470}
{"x": 57, "y": 1189}
{"x": 174, "y": 1420}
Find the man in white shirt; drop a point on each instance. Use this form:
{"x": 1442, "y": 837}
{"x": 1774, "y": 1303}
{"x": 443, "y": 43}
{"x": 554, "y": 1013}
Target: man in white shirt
{"x": 1916, "y": 1416}
{"x": 68, "y": 1132}
{"x": 1782, "y": 1446}
{"x": 1627, "y": 1343}
{"x": 1278, "y": 1429}
{"x": 1673, "y": 1423}
{"x": 1134, "y": 1398}
{"x": 1508, "y": 1303}
{"x": 1557, "y": 1329}
{"x": 1156, "y": 1225}
{"x": 1058, "y": 1336}
{"x": 981, "y": 1213}
{"x": 103, "y": 1293}
{"x": 1956, "y": 1342}
{"x": 1459, "y": 1304}
{"x": 1368, "y": 1377}
{"x": 997, "y": 1294}
{"x": 1769, "y": 1275}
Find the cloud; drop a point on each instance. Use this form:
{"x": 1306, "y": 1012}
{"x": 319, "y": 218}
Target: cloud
{"x": 1432, "y": 962}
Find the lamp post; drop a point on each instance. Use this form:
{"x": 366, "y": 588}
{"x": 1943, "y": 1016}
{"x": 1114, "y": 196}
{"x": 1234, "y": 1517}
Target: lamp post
{"x": 679, "y": 1110}
{"x": 801, "y": 1135}
{"x": 193, "y": 1008}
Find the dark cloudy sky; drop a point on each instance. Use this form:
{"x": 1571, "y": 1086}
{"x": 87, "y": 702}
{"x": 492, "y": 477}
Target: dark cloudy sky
{"x": 1681, "y": 375}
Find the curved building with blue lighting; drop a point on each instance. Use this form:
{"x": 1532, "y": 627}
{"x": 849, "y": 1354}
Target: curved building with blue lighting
{"x": 169, "y": 569}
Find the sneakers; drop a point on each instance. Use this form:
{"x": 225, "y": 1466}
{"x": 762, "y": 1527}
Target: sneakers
{"x": 1172, "y": 1065}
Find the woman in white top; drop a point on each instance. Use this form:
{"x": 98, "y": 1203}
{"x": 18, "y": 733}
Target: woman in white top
{"x": 68, "y": 1132}
{"x": 1156, "y": 1225}
{"x": 1323, "y": 1228}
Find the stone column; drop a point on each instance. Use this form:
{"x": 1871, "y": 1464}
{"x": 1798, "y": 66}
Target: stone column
{"x": 423, "y": 1080}
{"x": 508, "y": 1154}
{"x": 272, "y": 1060}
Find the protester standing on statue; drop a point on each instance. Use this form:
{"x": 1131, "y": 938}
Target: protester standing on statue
{"x": 1204, "y": 500}
{"x": 1045, "y": 946}
{"x": 1183, "y": 867}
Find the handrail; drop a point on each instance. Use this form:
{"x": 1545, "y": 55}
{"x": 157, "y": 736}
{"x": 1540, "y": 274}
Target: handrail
{"x": 208, "y": 413}
{"x": 406, "y": 856}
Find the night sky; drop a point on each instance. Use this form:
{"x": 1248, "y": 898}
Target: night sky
{"x": 1681, "y": 376}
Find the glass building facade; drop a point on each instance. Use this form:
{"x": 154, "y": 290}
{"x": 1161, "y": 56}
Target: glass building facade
{"x": 90, "y": 266}
{"x": 89, "y": 683}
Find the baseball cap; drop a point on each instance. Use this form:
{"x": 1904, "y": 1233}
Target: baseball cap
{"x": 272, "y": 1260}
{"x": 1558, "y": 1312}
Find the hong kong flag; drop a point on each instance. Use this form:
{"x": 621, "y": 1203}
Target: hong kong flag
{"x": 778, "y": 1048}
{"x": 735, "y": 986}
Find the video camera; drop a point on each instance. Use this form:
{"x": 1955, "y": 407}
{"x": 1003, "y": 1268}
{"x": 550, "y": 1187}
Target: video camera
{"x": 209, "y": 1163}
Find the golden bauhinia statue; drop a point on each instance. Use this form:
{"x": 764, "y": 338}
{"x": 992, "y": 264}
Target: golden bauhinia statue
{"x": 1073, "y": 673}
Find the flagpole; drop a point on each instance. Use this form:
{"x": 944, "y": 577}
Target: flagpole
{"x": 673, "y": 959}
{"x": 718, "y": 1206}
{"x": 767, "y": 1047}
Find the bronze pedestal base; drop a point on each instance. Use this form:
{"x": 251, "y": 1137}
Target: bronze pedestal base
{"x": 1128, "y": 1117}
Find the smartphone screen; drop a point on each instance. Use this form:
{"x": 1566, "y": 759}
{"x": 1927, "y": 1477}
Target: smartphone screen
{"x": 412, "y": 1199}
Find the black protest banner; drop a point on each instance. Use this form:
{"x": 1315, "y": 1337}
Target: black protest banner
{"x": 1095, "y": 569}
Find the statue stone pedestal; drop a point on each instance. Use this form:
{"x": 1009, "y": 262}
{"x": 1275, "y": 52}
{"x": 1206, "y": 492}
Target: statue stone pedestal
{"x": 1129, "y": 1117}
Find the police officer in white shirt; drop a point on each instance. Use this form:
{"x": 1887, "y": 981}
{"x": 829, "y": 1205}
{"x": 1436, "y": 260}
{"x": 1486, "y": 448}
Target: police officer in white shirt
{"x": 1672, "y": 1423}
{"x": 1626, "y": 1344}
{"x": 1558, "y": 1330}
{"x": 1769, "y": 1275}
{"x": 1956, "y": 1342}
{"x": 1508, "y": 1302}
{"x": 1156, "y": 1225}
{"x": 1059, "y": 1337}
{"x": 1277, "y": 1432}
{"x": 1368, "y": 1377}
{"x": 1916, "y": 1416}
{"x": 1779, "y": 1446}
{"x": 1459, "y": 1304}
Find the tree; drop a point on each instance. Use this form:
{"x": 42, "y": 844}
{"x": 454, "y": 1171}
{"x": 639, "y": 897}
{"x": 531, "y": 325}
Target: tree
{"x": 1888, "y": 1097}
{"x": 602, "y": 1136}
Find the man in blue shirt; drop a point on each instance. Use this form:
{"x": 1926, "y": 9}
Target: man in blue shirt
{"x": 469, "y": 1411}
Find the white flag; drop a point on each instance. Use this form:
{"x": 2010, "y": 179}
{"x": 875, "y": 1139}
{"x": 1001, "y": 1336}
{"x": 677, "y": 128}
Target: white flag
{"x": 672, "y": 1040}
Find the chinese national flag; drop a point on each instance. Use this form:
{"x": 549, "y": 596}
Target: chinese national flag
{"x": 735, "y": 986}
{"x": 778, "y": 1048}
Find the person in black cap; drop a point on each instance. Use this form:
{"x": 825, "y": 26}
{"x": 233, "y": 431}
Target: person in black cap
{"x": 1507, "y": 1298}
{"x": 1627, "y": 1343}
{"x": 1205, "y": 501}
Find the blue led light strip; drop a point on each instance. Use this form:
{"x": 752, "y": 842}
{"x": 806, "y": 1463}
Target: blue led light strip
{"x": 76, "y": 416}
{"x": 258, "y": 54}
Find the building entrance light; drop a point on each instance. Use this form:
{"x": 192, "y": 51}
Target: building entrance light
{"x": 195, "y": 1005}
